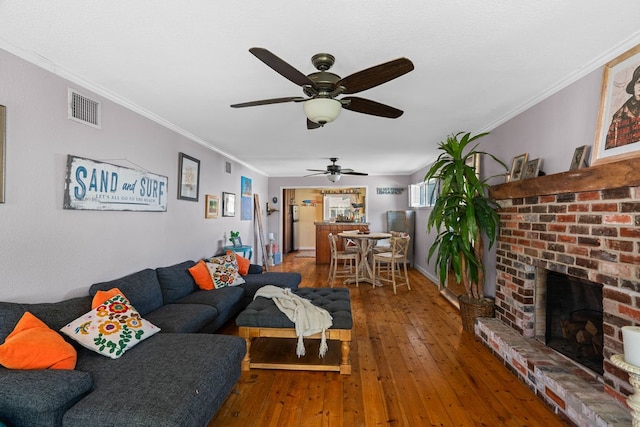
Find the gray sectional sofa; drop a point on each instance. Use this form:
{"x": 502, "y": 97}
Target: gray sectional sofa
{"x": 179, "y": 377}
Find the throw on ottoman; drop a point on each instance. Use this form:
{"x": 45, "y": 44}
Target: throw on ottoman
{"x": 275, "y": 335}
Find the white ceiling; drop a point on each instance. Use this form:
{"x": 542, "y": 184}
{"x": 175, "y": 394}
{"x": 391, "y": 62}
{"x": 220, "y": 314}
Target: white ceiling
{"x": 477, "y": 63}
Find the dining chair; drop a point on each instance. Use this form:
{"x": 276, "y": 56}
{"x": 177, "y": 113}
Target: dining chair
{"x": 344, "y": 256}
{"x": 392, "y": 261}
{"x": 385, "y": 245}
{"x": 350, "y": 245}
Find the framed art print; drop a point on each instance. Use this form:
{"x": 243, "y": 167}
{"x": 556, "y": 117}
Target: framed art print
{"x": 212, "y": 206}
{"x": 517, "y": 166}
{"x": 228, "y": 204}
{"x": 188, "y": 177}
{"x": 618, "y": 127}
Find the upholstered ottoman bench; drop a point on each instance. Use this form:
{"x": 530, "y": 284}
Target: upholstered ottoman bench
{"x": 271, "y": 336}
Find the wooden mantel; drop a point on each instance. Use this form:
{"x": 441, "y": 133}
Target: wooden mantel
{"x": 623, "y": 173}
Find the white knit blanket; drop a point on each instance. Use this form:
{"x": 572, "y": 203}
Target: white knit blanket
{"x": 308, "y": 318}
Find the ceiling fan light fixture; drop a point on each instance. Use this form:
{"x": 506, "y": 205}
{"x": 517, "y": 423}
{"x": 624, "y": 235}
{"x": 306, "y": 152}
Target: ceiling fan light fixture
{"x": 322, "y": 110}
{"x": 334, "y": 177}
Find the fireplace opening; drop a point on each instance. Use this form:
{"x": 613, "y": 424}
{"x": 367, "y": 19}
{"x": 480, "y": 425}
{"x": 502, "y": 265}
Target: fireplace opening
{"x": 574, "y": 319}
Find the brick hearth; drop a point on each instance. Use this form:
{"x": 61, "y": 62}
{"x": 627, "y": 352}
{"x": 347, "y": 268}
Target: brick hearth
{"x": 583, "y": 223}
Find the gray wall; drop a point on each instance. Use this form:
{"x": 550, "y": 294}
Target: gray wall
{"x": 551, "y": 130}
{"x": 47, "y": 253}
{"x": 377, "y": 204}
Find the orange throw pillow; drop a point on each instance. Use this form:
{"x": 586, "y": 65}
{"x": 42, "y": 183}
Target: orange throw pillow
{"x": 33, "y": 345}
{"x": 102, "y": 296}
{"x": 201, "y": 275}
{"x": 243, "y": 263}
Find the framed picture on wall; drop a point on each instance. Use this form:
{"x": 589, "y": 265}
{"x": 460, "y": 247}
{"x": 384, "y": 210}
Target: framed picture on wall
{"x": 212, "y": 206}
{"x": 228, "y": 204}
{"x": 188, "y": 177}
{"x": 618, "y": 126}
{"x": 517, "y": 166}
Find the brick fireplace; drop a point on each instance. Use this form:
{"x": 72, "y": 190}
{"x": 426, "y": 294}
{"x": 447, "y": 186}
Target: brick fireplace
{"x": 586, "y": 224}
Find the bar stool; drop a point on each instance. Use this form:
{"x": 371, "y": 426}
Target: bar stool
{"x": 337, "y": 256}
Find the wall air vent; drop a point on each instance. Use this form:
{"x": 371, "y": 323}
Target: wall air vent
{"x": 84, "y": 110}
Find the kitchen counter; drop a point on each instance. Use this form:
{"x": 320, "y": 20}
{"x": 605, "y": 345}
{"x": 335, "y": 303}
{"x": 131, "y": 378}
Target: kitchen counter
{"x": 323, "y": 228}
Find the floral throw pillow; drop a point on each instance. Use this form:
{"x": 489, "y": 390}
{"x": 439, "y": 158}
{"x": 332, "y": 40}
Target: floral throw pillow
{"x": 111, "y": 328}
{"x": 224, "y": 271}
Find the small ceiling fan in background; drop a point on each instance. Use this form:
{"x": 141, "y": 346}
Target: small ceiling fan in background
{"x": 334, "y": 171}
{"x": 321, "y": 88}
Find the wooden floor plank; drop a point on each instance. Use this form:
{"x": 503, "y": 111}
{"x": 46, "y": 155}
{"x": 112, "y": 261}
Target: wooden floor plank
{"x": 412, "y": 365}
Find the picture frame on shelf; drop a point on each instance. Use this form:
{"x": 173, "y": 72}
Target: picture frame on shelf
{"x": 228, "y": 204}
{"x": 188, "y": 177}
{"x": 474, "y": 162}
{"x": 618, "y": 125}
{"x": 212, "y": 206}
{"x": 517, "y": 166}
{"x": 532, "y": 168}
{"x": 579, "y": 159}
{"x": 236, "y": 242}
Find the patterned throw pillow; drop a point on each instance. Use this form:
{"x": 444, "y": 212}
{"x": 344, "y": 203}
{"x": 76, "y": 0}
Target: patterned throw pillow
{"x": 224, "y": 271}
{"x": 111, "y": 328}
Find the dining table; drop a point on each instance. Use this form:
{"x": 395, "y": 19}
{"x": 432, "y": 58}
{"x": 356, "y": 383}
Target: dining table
{"x": 366, "y": 242}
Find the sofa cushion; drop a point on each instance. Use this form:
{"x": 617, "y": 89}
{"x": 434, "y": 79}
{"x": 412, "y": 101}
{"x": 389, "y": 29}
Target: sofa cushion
{"x": 142, "y": 289}
{"x": 175, "y": 281}
{"x": 111, "y": 328}
{"x": 227, "y": 302}
{"x": 53, "y": 314}
{"x": 40, "y": 397}
{"x": 253, "y": 282}
{"x": 183, "y": 318}
{"x": 34, "y": 345}
{"x": 169, "y": 380}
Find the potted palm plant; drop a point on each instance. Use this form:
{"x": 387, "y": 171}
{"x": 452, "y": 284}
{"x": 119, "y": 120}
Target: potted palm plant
{"x": 463, "y": 214}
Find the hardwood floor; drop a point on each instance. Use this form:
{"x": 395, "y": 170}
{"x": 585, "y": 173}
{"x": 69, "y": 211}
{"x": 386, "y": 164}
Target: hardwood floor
{"x": 412, "y": 366}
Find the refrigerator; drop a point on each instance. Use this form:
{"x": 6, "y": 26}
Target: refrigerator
{"x": 295, "y": 227}
{"x": 403, "y": 221}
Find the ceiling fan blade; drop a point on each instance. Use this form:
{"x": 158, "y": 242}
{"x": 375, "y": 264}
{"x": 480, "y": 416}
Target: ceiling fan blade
{"x": 319, "y": 173}
{"x": 317, "y": 170}
{"x": 367, "y": 106}
{"x": 374, "y": 76}
{"x": 354, "y": 173}
{"x": 269, "y": 101}
{"x": 282, "y": 67}
{"x": 313, "y": 125}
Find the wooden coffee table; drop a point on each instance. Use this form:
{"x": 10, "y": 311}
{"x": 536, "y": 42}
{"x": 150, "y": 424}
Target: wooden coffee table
{"x": 271, "y": 337}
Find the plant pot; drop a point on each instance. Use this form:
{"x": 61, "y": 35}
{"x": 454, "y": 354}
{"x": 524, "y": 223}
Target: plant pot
{"x": 631, "y": 344}
{"x": 470, "y": 309}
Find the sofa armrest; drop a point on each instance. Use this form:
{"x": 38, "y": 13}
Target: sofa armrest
{"x": 40, "y": 397}
{"x": 255, "y": 269}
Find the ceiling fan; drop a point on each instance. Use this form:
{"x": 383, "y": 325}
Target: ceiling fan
{"x": 322, "y": 87}
{"x": 334, "y": 171}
